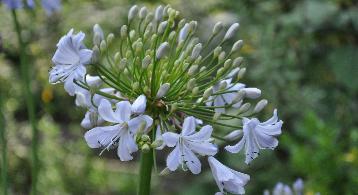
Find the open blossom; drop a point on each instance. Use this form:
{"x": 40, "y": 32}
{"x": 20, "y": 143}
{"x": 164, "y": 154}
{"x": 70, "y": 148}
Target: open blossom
{"x": 187, "y": 143}
{"x": 51, "y": 6}
{"x": 70, "y": 59}
{"x": 257, "y": 135}
{"x": 13, "y": 4}
{"x": 228, "y": 180}
{"x": 121, "y": 133}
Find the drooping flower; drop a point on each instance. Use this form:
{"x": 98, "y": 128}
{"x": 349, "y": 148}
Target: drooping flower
{"x": 228, "y": 180}
{"x": 187, "y": 144}
{"x": 257, "y": 135}
{"x": 121, "y": 133}
{"x": 70, "y": 59}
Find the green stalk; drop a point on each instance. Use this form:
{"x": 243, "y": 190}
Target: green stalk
{"x": 145, "y": 173}
{"x": 4, "y": 181}
{"x": 26, "y": 79}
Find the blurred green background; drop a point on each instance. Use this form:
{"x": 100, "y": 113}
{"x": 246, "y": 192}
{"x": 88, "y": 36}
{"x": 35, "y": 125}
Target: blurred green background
{"x": 303, "y": 54}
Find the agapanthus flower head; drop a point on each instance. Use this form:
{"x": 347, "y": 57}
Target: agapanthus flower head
{"x": 50, "y": 6}
{"x": 161, "y": 86}
{"x": 283, "y": 189}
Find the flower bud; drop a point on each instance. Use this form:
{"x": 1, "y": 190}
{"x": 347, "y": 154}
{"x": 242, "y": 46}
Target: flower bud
{"x": 174, "y": 107}
{"x": 172, "y": 35}
{"x": 220, "y": 72}
{"x": 162, "y": 27}
{"x": 216, "y": 116}
{"x": 252, "y": 93}
{"x": 202, "y": 68}
{"x": 163, "y": 90}
{"x": 217, "y": 28}
{"x": 191, "y": 84}
{"x": 221, "y": 56}
{"x": 145, "y": 138}
{"x": 245, "y": 107}
{"x": 95, "y": 54}
{"x": 158, "y": 13}
{"x": 110, "y": 38}
{"x": 117, "y": 57}
{"x": 193, "y": 26}
{"x": 181, "y": 23}
{"x": 207, "y": 93}
{"x": 241, "y": 73}
{"x": 122, "y": 64}
{"x": 222, "y": 85}
{"x": 145, "y": 148}
{"x": 132, "y": 34}
{"x": 233, "y": 135}
{"x": 149, "y": 18}
{"x": 227, "y": 63}
{"x": 98, "y": 34}
{"x": 217, "y": 51}
{"x": 103, "y": 46}
{"x": 237, "y": 46}
{"x": 183, "y": 34}
{"x": 157, "y": 143}
{"x": 124, "y": 31}
{"x": 231, "y": 31}
{"x": 192, "y": 70}
{"x": 195, "y": 91}
{"x": 196, "y": 51}
{"x": 260, "y": 105}
{"x": 298, "y": 187}
{"x": 146, "y": 61}
{"x": 237, "y": 61}
{"x": 238, "y": 96}
{"x": 143, "y": 12}
{"x": 162, "y": 50}
{"x": 132, "y": 12}
{"x": 135, "y": 86}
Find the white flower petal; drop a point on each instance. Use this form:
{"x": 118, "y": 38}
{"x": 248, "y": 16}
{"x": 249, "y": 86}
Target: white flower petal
{"x": 101, "y": 136}
{"x": 189, "y": 126}
{"x": 123, "y": 111}
{"x": 139, "y": 104}
{"x": 170, "y": 138}
{"x": 85, "y": 56}
{"x": 191, "y": 161}
{"x": 173, "y": 160}
{"x": 203, "y": 134}
{"x": 106, "y": 112}
{"x": 134, "y": 123}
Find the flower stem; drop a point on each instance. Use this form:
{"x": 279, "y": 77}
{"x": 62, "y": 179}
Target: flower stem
{"x": 26, "y": 79}
{"x": 145, "y": 174}
{"x": 3, "y": 148}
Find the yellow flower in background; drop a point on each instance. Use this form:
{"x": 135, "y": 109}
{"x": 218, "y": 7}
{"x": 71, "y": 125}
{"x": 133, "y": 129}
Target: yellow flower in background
{"x": 47, "y": 94}
{"x": 351, "y": 156}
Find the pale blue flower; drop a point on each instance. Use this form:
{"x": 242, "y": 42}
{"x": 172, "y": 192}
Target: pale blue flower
{"x": 51, "y": 6}
{"x": 13, "y": 4}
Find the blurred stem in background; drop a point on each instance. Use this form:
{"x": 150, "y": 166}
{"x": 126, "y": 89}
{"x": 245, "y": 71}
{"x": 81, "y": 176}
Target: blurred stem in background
{"x": 26, "y": 81}
{"x": 3, "y": 147}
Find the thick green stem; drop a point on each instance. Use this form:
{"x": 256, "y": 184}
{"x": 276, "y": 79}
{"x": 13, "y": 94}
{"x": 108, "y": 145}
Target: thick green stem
{"x": 26, "y": 80}
{"x": 145, "y": 174}
{"x": 3, "y": 148}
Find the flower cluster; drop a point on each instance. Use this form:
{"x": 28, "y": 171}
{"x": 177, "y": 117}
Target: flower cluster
{"x": 283, "y": 189}
{"x": 50, "y": 6}
{"x": 157, "y": 86}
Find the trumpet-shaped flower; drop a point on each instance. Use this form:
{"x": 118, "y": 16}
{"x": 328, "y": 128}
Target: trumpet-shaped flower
{"x": 121, "y": 133}
{"x": 257, "y": 135}
{"x": 70, "y": 59}
{"x": 187, "y": 143}
{"x": 228, "y": 180}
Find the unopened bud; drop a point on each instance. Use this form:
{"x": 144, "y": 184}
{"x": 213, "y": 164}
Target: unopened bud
{"x": 260, "y": 106}
{"x": 146, "y": 61}
{"x": 103, "y": 45}
{"x": 145, "y": 148}
{"x": 124, "y": 31}
{"x": 162, "y": 27}
{"x": 145, "y": 138}
{"x": 245, "y": 107}
{"x": 195, "y": 91}
{"x": 191, "y": 84}
{"x": 132, "y": 34}
{"x": 298, "y": 187}
{"x": 238, "y": 61}
{"x": 181, "y": 23}
{"x": 95, "y": 54}
{"x": 163, "y": 90}
{"x": 143, "y": 12}
{"x": 183, "y": 34}
{"x": 192, "y": 70}
{"x": 202, "y": 68}
{"x": 231, "y": 31}
{"x": 122, "y": 64}
{"x": 237, "y": 46}
{"x": 222, "y": 85}
{"x": 132, "y": 12}
{"x": 193, "y": 26}
{"x": 252, "y": 93}
{"x": 172, "y": 35}
{"x": 220, "y": 72}
{"x": 216, "y": 116}
{"x": 149, "y": 18}
{"x": 227, "y": 63}
{"x": 98, "y": 34}
{"x": 196, "y": 51}
{"x": 162, "y": 51}
{"x": 110, "y": 38}
{"x": 207, "y": 93}
{"x": 241, "y": 73}
{"x": 217, "y": 51}
{"x": 221, "y": 56}
{"x": 117, "y": 57}
{"x": 164, "y": 172}
{"x": 217, "y": 28}
{"x": 233, "y": 135}
{"x": 158, "y": 13}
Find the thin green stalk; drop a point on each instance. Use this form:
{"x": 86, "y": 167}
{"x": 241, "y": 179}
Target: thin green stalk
{"x": 145, "y": 174}
{"x": 4, "y": 181}
{"x": 26, "y": 79}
